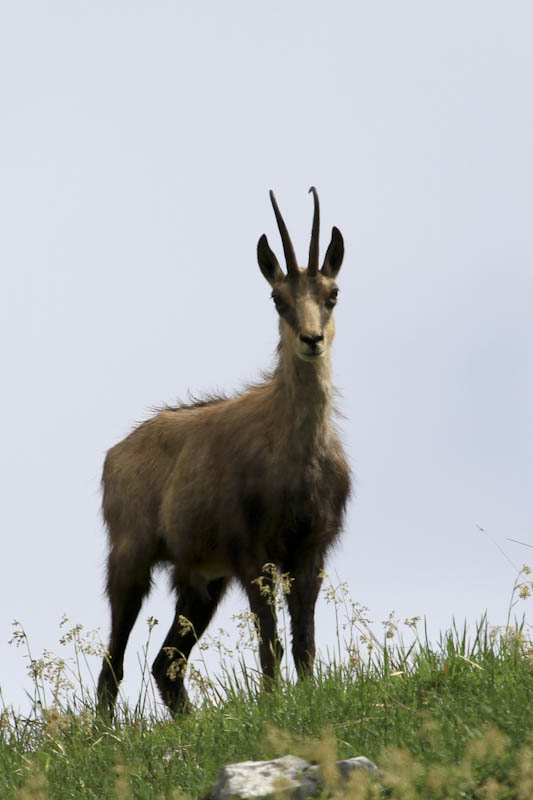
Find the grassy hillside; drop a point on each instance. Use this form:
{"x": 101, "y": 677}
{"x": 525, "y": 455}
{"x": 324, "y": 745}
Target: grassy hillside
{"x": 451, "y": 720}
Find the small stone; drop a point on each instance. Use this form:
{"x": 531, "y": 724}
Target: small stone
{"x": 348, "y": 765}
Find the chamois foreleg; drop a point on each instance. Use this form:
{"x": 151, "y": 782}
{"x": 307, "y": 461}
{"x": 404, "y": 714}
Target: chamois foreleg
{"x": 301, "y": 600}
{"x": 263, "y": 605}
{"x": 194, "y": 609}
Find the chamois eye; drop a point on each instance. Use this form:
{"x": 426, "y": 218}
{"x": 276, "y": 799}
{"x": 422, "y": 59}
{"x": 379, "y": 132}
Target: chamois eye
{"x": 332, "y": 298}
{"x": 279, "y": 302}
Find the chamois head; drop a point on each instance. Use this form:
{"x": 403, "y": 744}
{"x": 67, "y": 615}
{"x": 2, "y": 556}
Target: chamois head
{"x": 305, "y": 296}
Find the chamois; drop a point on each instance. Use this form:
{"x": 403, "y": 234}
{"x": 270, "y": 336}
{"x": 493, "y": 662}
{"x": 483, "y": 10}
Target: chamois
{"x": 219, "y": 488}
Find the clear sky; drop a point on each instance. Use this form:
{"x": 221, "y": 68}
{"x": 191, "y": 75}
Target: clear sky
{"x": 138, "y": 142}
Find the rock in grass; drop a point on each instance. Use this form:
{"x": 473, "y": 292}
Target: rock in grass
{"x": 283, "y": 777}
{"x": 348, "y": 765}
{"x": 286, "y": 777}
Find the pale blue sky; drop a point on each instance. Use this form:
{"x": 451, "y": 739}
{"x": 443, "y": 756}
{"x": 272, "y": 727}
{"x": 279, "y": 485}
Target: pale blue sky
{"x": 138, "y": 142}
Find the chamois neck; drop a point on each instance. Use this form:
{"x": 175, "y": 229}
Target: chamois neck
{"x": 303, "y": 396}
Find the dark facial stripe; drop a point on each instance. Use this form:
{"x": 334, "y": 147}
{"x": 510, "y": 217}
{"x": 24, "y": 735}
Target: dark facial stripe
{"x": 289, "y": 315}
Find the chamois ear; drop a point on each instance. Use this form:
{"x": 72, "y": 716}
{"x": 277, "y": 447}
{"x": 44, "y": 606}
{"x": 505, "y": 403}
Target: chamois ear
{"x": 268, "y": 263}
{"x": 334, "y": 255}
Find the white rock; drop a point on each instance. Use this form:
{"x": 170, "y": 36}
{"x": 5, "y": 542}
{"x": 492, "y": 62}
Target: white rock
{"x": 289, "y": 777}
{"x": 282, "y": 777}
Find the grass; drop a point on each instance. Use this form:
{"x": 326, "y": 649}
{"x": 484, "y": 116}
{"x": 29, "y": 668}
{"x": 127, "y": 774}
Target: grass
{"x": 446, "y": 720}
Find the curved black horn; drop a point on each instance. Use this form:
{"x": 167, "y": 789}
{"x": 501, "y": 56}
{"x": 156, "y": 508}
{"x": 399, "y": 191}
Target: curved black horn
{"x": 288, "y": 249}
{"x": 312, "y": 267}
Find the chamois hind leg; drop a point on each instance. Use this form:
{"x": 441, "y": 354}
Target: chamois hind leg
{"x": 127, "y": 586}
{"x": 301, "y": 600}
{"x": 195, "y": 606}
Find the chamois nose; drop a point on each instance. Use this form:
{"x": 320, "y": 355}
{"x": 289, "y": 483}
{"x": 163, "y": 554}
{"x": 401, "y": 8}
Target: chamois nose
{"x": 312, "y": 340}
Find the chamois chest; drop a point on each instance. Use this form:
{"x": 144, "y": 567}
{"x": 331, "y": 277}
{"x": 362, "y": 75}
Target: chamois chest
{"x": 297, "y": 509}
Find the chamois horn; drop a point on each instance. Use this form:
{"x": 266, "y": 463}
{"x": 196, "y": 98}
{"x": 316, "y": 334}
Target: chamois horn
{"x": 312, "y": 267}
{"x": 288, "y": 249}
